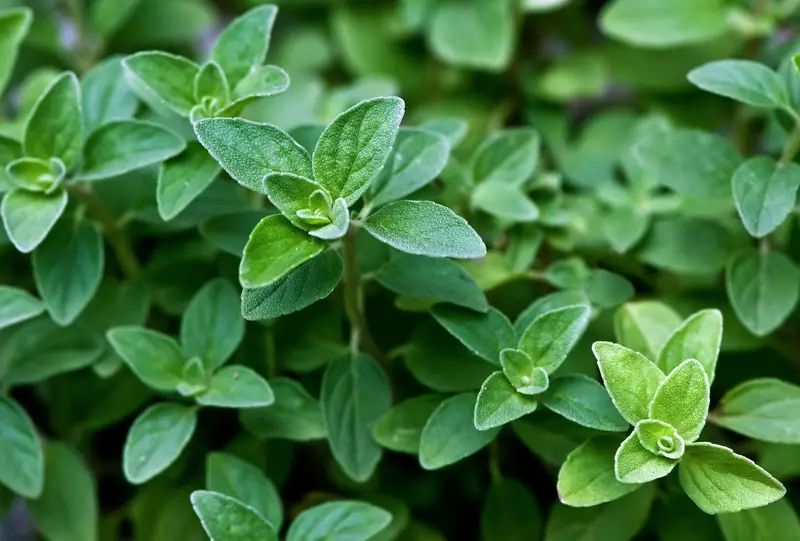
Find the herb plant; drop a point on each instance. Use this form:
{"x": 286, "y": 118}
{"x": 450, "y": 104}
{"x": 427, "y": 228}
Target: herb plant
{"x": 410, "y": 270}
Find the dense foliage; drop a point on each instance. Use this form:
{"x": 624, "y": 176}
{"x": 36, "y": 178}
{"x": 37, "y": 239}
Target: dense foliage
{"x": 406, "y": 270}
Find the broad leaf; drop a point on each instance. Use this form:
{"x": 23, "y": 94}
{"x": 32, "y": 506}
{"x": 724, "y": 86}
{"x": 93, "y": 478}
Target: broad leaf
{"x": 774, "y": 522}
{"x": 236, "y": 478}
{"x": 243, "y": 45}
{"x": 504, "y": 201}
{"x": 499, "y": 403}
{"x": 764, "y": 409}
{"x": 155, "y": 358}
{"x": 106, "y": 95}
{"x": 227, "y": 519}
{"x": 352, "y": 150}
{"x": 584, "y": 401}
{"x": 400, "y": 428}
{"x": 182, "y": 178}
{"x": 763, "y": 191}
{"x": 339, "y": 521}
{"x": 552, "y": 301}
{"x": 295, "y": 415}
{"x": 742, "y": 80}
{"x": 550, "y": 337}
{"x": 698, "y": 337}
{"x": 14, "y": 26}
{"x": 485, "y": 335}
{"x": 17, "y": 305}
{"x": 29, "y": 216}
{"x": 682, "y": 399}
{"x": 163, "y": 78}
{"x": 645, "y": 326}
{"x": 55, "y": 125}
{"x": 211, "y": 326}
{"x": 508, "y": 157}
{"x": 237, "y": 386}
{"x": 22, "y": 470}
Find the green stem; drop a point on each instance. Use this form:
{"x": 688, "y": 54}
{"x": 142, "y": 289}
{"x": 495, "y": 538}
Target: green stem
{"x": 354, "y": 302}
{"x": 116, "y": 237}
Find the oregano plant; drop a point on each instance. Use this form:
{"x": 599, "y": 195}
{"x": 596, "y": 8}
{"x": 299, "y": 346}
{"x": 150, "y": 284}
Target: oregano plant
{"x": 411, "y": 270}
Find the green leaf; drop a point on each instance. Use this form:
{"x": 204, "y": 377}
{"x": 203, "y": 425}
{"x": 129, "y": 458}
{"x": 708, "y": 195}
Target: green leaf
{"x": 522, "y": 372}
{"x": 155, "y": 358}
{"x": 292, "y": 193}
{"x": 485, "y": 335}
{"x": 29, "y": 216}
{"x": 742, "y": 80}
{"x": 698, "y": 337}
{"x": 635, "y": 464}
{"x": 156, "y": 439}
{"x": 211, "y": 326}
{"x": 764, "y": 409}
{"x": 355, "y": 394}
{"x": 352, "y": 150}
{"x": 587, "y": 476}
{"x": 400, "y": 428}
{"x": 17, "y": 305}
{"x": 453, "y": 128}
{"x": 488, "y": 47}
{"x": 229, "y": 232}
{"x": 236, "y": 478}
{"x": 23, "y": 459}
{"x": 568, "y": 273}
{"x": 106, "y": 95}
{"x": 686, "y": 246}
{"x": 450, "y": 434}
{"x": 660, "y": 438}
{"x": 249, "y": 151}
{"x": 163, "y": 78}
{"x": 305, "y": 285}
{"x": 425, "y": 228}
{"x": 664, "y": 23}
{"x": 682, "y": 399}
{"x": 262, "y": 82}
{"x": 551, "y": 301}
{"x": 510, "y": 513}
{"x": 36, "y": 175}
{"x": 55, "y": 125}
{"x": 274, "y": 249}
{"x": 551, "y": 437}
{"x": 194, "y": 379}
{"x": 210, "y": 82}
{"x": 584, "y": 401}
{"x": 14, "y": 26}
{"x": 243, "y": 45}
{"x": 236, "y": 386}
{"x": 419, "y": 155}
{"x": 227, "y": 519}
{"x": 68, "y": 268}
{"x": 182, "y": 178}
{"x": 339, "y": 521}
{"x": 763, "y": 288}
{"x": 607, "y": 289}
{"x": 646, "y": 325}
{"x": 122, "y": 146}
{"x": 339, "y": 222}
{"x": 499, "y": 403}
{"x": 630, "y": 378}
{"x": 106, "y": 16}
{"x": 504, "y": 201}
{"x": 295, "y": 415}
{"x": 509, "y": 157}
{"x": 764, "y": 192}
{"x": 625, "y": 227}
{"x": 550, "y": 337}
{"x": 720, "y": 481}
{"x": 774, "y": 522}
{"x": 67, "y": 508}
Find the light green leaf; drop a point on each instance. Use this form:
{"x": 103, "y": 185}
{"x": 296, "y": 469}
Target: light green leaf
{"x": 510, "y": 513}
{"x": 682, "y": 399}
{"x": 764, "y": 192}
{"x": 155, "y": 358}
{"x": 211, "y": 326}
{"x": 607, "y": 289}
{"x": 182, "y": 178}
{"x": 764, "y": 409}
{"x": 625, "y": 227}
{"x": 720, "y": 481}
{"x": 55, "y": 125}
{"x": 249, "y": 151}
{"x": 509, "y": 156}
{"x": 646, "y": 325}
{"x": 291, "y": 193}
{"x": 434, "y": 279}
{"x": 67, "y": 509}
{"x": 504, "y": 201}
{"x": 485, "y": 335}
{"x": 664, "y": 23}
{"x": 763, "y": 288}
{"x": 419, "y": 155}
{"x": 550, "y": 337}
{"x": 68, "y": 268}
{"x": 584, "y": 401}
{"x": 635, "y": 464}
{"x": 355, "y": 394}
{"x": 551, "y": 301}
{"x": 36, "y": 175}
{"x": 742, "y": 80}
{"x": 587, "y": 476}
{"x": 698, "y": 337}
{"x": 29, "y": 216}
{"x": 630, "y": 378}
{"x": 14, "y": 26}
{"x": 194, "y": 378}
{"x": 489, "y": 44}
{"x": 686, "y": 246}
{"x": 453, "y": 128}
{"x": 305, "y": 285}
{"x": 156, "y": 439}
{"x": 339, "y": 521}
{"x": 499, "y": 403}
{"x": 522, "y": 372}
{"x": 339, "y": 222}
{"x": 400, "y": 428}
{"x": 163, "y": 78}
{"x": 17, "y": 305}
{"x": 236, "y": 386}
{"x": 295, "y": 415}
{"x": 260, "y": 83}
{"x": 571, "y": 272}
{"x": 425, "y": 228}
{"x": 660, "y": 438}
{"x": 227, "y": 519}
{"x": 243, "y": 45}
{"x": 125, "y": 145}
{"x": 274, "y": 249}
{"x": 450, "y": 434}
{"x": 774, "y": 522}
{"x": 23, "y": 459}
{"x": 236, "y": 478}
{"x": 352, "y": 150}
{"x": 106, "y": 95}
